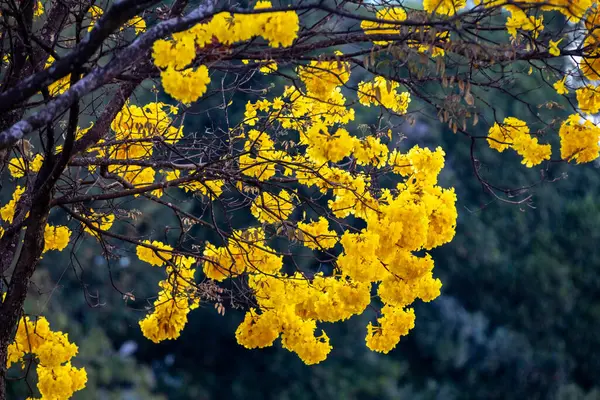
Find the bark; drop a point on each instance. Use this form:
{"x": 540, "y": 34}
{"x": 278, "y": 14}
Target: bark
{"x": 3, "y": 358}
{"x": 12, "y": 307}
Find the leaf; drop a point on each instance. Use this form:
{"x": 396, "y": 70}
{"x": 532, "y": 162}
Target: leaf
{"x": 469, "y": 99}
{"x": 378, "y": 94}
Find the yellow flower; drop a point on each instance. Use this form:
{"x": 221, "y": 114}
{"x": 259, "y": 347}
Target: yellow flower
{"x": 514, "y": 133}
{"x": 560, "y": 87}
{"x": 39, "y": 9}
{"x": 56, "y": 237}
{"x": 186, "y": 86}
{"x": 7, "y": 212}
{"x": 95, "y": 13}
{"x": 579, "y": 141}
{"x": 553, "y": 48}
{"x": 588, "y": 99}
{"x": 153, "y": 257}
{"x": 269, "y": 208}
{"x": 443, "y": 7}
{"x": 99, "y": 221}
{"x": 57, "y": 378}
{"x": 17, "y": 168}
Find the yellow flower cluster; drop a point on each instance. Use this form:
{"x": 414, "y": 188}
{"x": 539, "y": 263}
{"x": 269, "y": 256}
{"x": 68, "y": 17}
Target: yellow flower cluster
{"x": 291, "y": 307}
{"x": 324, "y": 147}
{"x": 398, "y": 14}
{"x": 246, "y": 251}
{"x": 588, "y": 99}
{"x": 211, "y": 189}
{"x": 134, "y": 129}
{"x": 98, "y": 221}
{"x": 590, "y": 63}
{"x": 316, "y": 235}
{"x": 57, "y": 378}
{"x": 520, "y": 20}
{"x": 383, "y": 92}
{"x": 56, "y": 237}
{"x": 443, "y": 7}
{"x": 560, "y": 86}
{"x": 262, "y": 164}
{"x": 379, "y": 28}
{"x": 137, "y": 23}
{"x": 95, "y": 13}
{"x": 176, "y": 299}
{"x": 305, "y": 110}
{"x": 395, "y": 322}
{"x": 514, "y": 133}
{"x": 419, "y": 215}
{"x": 321, "y": 78}
{"x": 574, "y": 10}
{"x": 415, "y": 216}
{"x": 134, "y": 123}
{"x": 7, "y": 213}
{"x": 154, "y": 257}
{"x": 174, "y": 56}
{"x": 553, "y": 47}
{"x": 579, "y": 142}
{"x": 61, "y": 85}
{"x": 38, "y": 10}
{"x": 18, "y": 166}
{"x": 186, "y": 86}
{"x": 269, "y": 208}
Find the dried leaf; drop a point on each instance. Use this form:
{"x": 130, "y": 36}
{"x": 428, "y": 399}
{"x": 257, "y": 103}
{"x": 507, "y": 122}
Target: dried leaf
{"x": 469, "y": 99}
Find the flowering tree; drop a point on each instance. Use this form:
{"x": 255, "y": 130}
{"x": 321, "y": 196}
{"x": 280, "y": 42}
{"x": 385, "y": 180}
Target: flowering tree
{"x": 77, "y": 146}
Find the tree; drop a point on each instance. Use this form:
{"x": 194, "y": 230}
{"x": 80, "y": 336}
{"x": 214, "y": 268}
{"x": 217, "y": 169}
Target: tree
{"x": 286, "y": 213}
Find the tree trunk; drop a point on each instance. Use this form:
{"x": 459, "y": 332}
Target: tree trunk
{"x": 3, "y": 358}
{"x": 12, "y": 307}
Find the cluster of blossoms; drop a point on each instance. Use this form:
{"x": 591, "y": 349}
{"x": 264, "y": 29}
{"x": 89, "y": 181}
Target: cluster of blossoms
{"x": 19, "y": 166}
{"x": 514, "y": 133}
{"x": 56, "y": 238}
{"x": 383, "y": 92}
{"x": 57, "y": 378}
{"x": 98, "y": 221}
{"x": 417, "y": 214}
{"x": 579, "y": 141}
{"x": 134, "y": 128}
{"x": 176, "y": 298}
{"x": 588, "y": 99}
{"x": 176, "y": 56}
{"x": 7, "y": 212}
{"x": 245, "y": 252}
{"x": 398, "y": 14}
